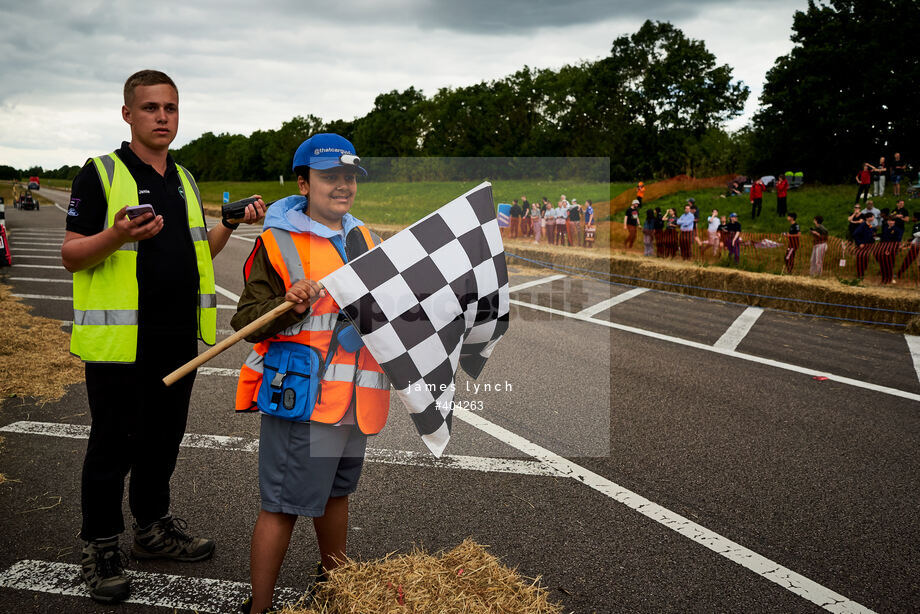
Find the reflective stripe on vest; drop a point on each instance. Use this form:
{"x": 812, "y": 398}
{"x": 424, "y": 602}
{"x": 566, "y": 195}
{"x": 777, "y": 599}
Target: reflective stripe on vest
{"x": 106, "y": 295}
{"x": 297, "y": 256}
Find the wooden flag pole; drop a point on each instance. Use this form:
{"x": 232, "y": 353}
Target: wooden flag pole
{"x": 204, "y": 357}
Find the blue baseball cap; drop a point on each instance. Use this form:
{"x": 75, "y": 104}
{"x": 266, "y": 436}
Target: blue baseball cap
{"x": 733, "y": 215}
{"x": 327, "y": 150}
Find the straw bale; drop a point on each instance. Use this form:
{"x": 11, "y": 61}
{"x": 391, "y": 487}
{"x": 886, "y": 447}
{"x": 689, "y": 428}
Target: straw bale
{"x": 724, "y": 284}
{"x": 467, "y": 579}
{"x": 34, "y": 354}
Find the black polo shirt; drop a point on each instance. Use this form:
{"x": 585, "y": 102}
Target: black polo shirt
{"x": 898, "y": 222}
{"x": 167, "y": 272}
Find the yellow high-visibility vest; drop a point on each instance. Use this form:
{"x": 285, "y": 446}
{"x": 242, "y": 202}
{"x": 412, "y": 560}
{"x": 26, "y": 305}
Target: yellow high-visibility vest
{"x": 105, "y": 297}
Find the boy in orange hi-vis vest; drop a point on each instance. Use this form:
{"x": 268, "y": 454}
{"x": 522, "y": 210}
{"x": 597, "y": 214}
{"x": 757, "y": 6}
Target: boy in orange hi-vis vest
{"x": 320, "y": 395}
{"x": 640, "y": 192}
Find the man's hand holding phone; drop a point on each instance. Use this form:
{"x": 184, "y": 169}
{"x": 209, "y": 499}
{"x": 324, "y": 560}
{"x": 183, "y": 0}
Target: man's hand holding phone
{"x": 137, "y": 223}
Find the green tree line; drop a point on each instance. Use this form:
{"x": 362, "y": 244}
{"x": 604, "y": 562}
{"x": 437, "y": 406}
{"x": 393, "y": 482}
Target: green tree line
{"x": 656, "y": 106}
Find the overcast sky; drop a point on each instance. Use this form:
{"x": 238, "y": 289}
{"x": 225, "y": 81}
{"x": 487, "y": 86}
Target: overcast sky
{"x": 247, "y": 66}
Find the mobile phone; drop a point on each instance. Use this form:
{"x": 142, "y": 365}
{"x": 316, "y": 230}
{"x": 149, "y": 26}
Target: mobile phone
{"x": 139, "y": 210}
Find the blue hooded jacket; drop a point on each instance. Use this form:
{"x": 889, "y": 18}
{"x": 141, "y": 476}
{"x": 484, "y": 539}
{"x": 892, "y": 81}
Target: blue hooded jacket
{"x": 289, "y": 214}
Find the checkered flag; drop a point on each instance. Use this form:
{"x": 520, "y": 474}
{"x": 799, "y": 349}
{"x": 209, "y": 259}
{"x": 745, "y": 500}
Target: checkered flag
{"x": 430, "y": 298}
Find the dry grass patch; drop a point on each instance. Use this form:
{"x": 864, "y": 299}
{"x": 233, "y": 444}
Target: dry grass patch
{"x": 34, "y": 354}
{"x": 465, "y": 580}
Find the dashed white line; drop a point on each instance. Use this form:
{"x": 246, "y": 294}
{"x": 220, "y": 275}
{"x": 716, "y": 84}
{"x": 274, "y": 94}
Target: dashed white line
{"x": 913, "y": 344}
{"x": 153, "y": 589}
{"x": 58, "y": 258}
{"x": 39, "y": 233}
{"x": 15, "y": 243}
{"x": 375, "y": 455}
{"x": 42, "y": 279}
{"x": 43, "y": 297}
{"x": 39, "y": 266}
{"x": 35, "y": 249}
{"x": 739, "y": 329}
{"x": 610, "y": 302}
{"x": 230, "y": 295}
{"x": 535, "y": 282}
{"x": 730, "y": 353}
{"x": 218, "y": 371}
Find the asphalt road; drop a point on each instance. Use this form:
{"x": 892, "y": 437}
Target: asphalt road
{"x": 642, "y": 461}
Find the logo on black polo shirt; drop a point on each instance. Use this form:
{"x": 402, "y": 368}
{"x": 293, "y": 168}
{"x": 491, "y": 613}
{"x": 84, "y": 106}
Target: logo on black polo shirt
{"x": 72, "y": 209}
{"x": 181, "y": 192}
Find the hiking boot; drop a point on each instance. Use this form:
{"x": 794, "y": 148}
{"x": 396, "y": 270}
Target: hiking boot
{"x": 103, "y": 571}
{"x": 166, "y": 539}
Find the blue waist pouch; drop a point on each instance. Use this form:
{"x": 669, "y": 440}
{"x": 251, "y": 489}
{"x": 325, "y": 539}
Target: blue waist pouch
{"x": 290, "y": 381}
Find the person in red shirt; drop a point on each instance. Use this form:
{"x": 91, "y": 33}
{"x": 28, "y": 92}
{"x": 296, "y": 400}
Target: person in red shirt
{"x": 863, "y": 180}
{"x": 782, "y": 189}
{"x": 756, "y": 198}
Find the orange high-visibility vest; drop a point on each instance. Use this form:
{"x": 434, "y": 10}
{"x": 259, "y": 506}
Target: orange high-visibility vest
{"x": 640, "y": 191}
{"x": 296, "y": 256}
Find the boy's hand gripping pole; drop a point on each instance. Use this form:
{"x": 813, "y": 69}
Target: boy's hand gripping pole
{"x": 204, "y": 357}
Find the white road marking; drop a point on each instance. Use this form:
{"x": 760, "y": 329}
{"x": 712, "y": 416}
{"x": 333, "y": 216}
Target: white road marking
{"x": 230, "y": 295}
{"x": 42, "y": 279}
{"x": 218, "y": 371}
{"x": 375, "y": 455}
{"x": 913, "y": 344}
{"x": 44, "y": 297}
{"x": 788, "y": 579}
{"x": 242, "y": 238}
{"x": 153, "y": 589}
{"x": 610, "y": 302}
{"x": 15, "y": 243}
{"x": 739, "y": 329}
{"x": 762, "y": 566}
{"x": 60, "y": 207}
{"x": 39, "y": 266}
{"x": 730, "y": 353}
{"x": 44, "y": 232}
{"x": 535, "y": 282}
{"x": 35, "y": 249}
{"x": 227, "y": 307}
{"x": 58, "y": 258}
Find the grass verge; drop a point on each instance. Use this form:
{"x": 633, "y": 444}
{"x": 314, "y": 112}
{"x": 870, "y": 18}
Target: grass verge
{"x": 406, "y": 203}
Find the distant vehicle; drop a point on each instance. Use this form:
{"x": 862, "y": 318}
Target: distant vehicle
{"x": 34, "y": 183}
{"x": 27, "y": 201}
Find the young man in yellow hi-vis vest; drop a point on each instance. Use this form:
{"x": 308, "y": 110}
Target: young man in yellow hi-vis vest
{"x": 319, "y": 391}
{"x": 144, "y": 294}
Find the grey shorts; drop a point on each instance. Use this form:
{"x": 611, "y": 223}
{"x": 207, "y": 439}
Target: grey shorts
{"x": 303, "y": 464}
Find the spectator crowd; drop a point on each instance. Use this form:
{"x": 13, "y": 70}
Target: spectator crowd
{"x": 565, "y": 223}
{"x": 886, "y": 235}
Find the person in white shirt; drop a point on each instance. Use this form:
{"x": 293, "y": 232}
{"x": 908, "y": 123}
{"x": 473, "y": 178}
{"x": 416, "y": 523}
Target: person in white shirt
{"x": 714, "y": 221}
{"x": 549, "y": 225}
{"x": 561, "y": 214}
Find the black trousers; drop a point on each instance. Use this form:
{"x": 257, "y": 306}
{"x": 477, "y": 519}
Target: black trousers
{"x": 781, "y": 206}
{"x": 756, "y": 206}
{"x": 137, "y": 425}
